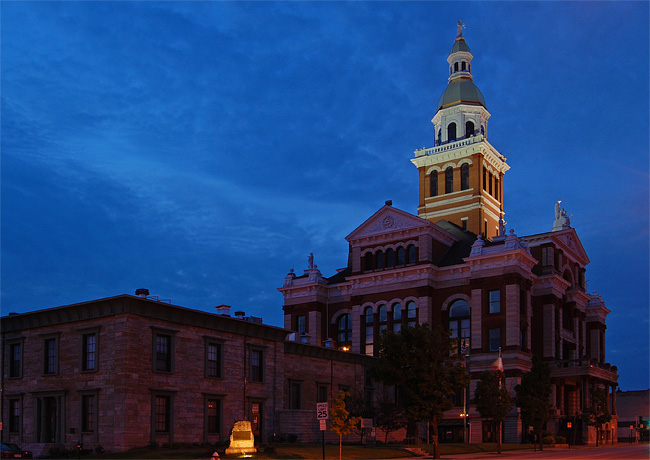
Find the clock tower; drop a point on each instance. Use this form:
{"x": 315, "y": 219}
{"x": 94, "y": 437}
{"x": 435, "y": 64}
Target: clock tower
{"x": 461, "y": 177}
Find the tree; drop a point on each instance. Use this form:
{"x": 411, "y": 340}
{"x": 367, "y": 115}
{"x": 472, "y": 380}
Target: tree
{"x": 419, "y": 360}
{"x": 342, "y": 423}
{"x": 533, "y": 397}
{"x": 358, "y": 405}
{"x": 492, "y": 400}
{"x": 597, "y": 414}
{"x": 390, "y": 417}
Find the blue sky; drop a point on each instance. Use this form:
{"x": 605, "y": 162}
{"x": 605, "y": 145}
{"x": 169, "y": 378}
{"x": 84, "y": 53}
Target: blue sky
{"x": 203, "y": 149}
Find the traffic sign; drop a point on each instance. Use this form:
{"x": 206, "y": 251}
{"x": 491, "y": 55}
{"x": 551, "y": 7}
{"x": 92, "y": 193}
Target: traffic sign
{"x": 322, "y": 411}
{"x": 323, "y": 424}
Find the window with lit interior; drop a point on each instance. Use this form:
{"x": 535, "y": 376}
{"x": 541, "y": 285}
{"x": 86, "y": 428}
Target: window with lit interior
{"x": 459, "y": 325}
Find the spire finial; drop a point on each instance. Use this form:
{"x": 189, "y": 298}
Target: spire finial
{"x": 459, "y": 30}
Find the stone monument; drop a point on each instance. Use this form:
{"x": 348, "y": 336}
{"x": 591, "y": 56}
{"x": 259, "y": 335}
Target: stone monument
{"x": 562, "y": 221}
{"x": 242, "y": 440}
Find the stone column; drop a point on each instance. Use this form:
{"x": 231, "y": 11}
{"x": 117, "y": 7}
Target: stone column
{"x": 475, "y": 319}
{"x": 513, "y": 315}
{"x": 549, "y": 331}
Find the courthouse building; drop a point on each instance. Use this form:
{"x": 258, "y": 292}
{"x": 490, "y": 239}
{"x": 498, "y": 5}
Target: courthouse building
{"x": 131, "y": 370}
{"x": 454, "y": 264}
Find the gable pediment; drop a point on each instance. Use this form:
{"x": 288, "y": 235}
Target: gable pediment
{"x": 392, "y": 223}
{"x": 570, "y": 243}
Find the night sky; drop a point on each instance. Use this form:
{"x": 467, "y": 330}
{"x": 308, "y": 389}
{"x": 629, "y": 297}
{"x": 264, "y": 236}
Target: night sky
{"x": 203, "y": 149}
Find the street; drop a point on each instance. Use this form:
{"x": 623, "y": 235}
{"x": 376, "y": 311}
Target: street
{"x": 620, "y": 452}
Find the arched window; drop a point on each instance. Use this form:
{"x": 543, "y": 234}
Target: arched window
{"x": 464, "y": 177}
{"x": 496, "y": 187}
{"x": 439, "y": 136}
{"x": 469, "y": 129}
{"x": 400, "y": 255}
{"x": 369, "y": 261}
{"x": 344, "y": 332}
{"x": 390, "y": 258}
{"x": 433, "y": 183}
{"x": 451, "y": 132}
{"x": 411, "y": 314}
{"x": 379, "y": 259}
{"x": 370, "y": 331}
{"x": 459, "y": 325}
{"x": 449, "y": 180}
{"x": 463, "y": 66}
{"x": 490, "y": 184}
{"x": 383, "y": 319}
{"x": 397, "y": 317}
{"x": 410, "y": 254}
{"x": 455, "y": 67}
{"x": 484, "y": 179}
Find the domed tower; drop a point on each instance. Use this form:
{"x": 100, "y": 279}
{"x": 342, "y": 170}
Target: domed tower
{"x": 461, "y": 177}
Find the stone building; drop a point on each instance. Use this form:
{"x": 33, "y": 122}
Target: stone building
{"x": 455, "y": 265}
{"x": 129, "y": 371}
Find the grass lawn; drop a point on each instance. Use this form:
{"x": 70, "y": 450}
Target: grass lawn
{"x": 307, "y": 451}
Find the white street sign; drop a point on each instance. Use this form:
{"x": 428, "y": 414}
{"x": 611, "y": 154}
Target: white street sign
{"x": 322, "y": 411}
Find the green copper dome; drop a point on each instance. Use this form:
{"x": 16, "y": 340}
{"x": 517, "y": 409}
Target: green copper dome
{"x": 459, "y": 45}
{"x": 461, "y": 91}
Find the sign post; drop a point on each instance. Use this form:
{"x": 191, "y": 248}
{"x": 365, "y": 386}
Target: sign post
{"x": 322, "y": 414}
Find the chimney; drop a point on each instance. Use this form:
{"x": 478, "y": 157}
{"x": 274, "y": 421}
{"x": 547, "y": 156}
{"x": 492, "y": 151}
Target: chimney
{"x": 223, "y": 310}
{"x": 388, "y": 202}
{"x": 239, "y": 314}
{"x": 142, "y": 293}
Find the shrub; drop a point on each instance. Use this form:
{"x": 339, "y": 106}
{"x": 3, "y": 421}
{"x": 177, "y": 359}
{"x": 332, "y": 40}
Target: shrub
{"x": 560, "y": 440}
{"x": 548, "y": 440}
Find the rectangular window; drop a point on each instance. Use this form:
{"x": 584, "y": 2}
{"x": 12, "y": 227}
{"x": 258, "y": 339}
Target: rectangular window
{"x": 322, "y": 393}
{"x": 213, "y": 416}
{"x": 49, "y": 356}
{"x": 14, "y": 416}
{"x": 295, "y": 395}
{"x": 213, "y": 360}
{"x": 257, "y": 365}
{"x": 88, "y": 413}
{"x": 494, "y": 339}
{"x": 162, "y": 413}
{"x": 302, "y": 325}
{"x": 89, "y": 352}
{"x": 16, "y": 360}
{"x": 494, "y": 299}
{"x": 163, "y": 353}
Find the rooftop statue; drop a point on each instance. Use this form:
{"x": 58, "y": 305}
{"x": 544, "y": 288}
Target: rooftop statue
{"x": 461, "y": 26}
{"x": 562, "y": 220}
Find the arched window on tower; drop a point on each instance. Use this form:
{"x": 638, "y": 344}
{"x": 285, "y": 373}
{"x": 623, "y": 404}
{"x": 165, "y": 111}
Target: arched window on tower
{"x": 397, "y": 317}
{"x": 344, "y": 332}
{"x": 390, "y": 258}
{"x": 459, "y": 325}
{"x": 463, "y": 66}
{"x": 400, "y": 255}
{"x": 490, "y": 184}
{"x": 464, "y": 177}
{"x": 451, "y": 132}
{"x": 455, "y": 67}
{"x": 383, "y": 319}
{"x": 411, "y": 314}
{"x": 379, "y": 259}
{"x": 433, "y": 183}
{"x": 496, "y": 188}
{"x": 369, "y": 265}
{"x": 410, "y": 254}
{"x": 449, "y": 180}
{"x": 439, "y": 136}
{"x": 369, "y": 331}
{"x": 469, "y": 129}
